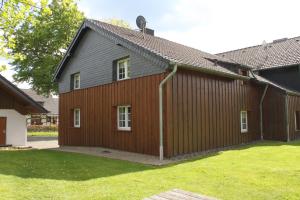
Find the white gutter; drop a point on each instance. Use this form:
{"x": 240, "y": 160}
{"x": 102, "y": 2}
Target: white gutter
{"x": 261, "y": 112}
{"x": 161, "y": 118}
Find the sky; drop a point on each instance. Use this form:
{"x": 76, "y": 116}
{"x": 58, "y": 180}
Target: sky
{"x": 209, "y": 25}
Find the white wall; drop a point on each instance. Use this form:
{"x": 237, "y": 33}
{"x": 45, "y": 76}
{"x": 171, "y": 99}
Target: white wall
{"x": 16, "y": 130}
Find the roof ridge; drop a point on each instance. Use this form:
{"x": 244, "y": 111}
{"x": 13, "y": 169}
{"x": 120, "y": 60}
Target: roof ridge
{"x": 164, "y": 39}
{"x": 253, "y": 46}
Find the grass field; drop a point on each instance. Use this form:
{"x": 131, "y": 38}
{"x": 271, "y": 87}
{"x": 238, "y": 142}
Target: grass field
{"x": 42, "y": 133}
{"x": 269, "y": 170}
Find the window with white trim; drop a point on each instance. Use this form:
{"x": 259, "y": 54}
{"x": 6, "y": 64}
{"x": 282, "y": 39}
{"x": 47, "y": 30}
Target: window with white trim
{"x": 124, "y": 118}
{"x": 244, "y": 121}
{"x": 123, "y": 69}
{"x": 297, "y": 120}
{"x": 76, "y": 82}
{"x": 76, "y": 117}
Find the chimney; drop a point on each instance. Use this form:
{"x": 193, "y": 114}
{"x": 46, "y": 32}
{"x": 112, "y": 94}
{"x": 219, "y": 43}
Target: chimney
{"x": 280, "y": 40}
{"x": 148, "y": 31}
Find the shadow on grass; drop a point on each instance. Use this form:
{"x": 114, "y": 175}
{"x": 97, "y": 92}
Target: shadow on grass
{"x": 46, "y": 164}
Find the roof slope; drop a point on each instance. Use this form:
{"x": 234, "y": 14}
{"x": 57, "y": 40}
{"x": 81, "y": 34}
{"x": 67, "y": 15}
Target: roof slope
{"x": 279, "y": 53}
{"x": 27, "y": 101}
{"x": 168, "y": 51}
{"x": 49, "y": 103}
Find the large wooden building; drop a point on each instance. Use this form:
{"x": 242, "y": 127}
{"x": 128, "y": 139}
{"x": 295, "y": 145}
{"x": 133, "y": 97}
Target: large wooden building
{"x": 132, "y": 91}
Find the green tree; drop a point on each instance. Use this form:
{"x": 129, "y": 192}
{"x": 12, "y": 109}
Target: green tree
{"x": 35, "y": 35}
{"x": 2, "y": 68}
{"x": 118, "y": 22}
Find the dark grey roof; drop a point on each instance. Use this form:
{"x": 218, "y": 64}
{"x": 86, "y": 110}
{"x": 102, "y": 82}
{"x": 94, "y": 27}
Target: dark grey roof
{"x": 167, "y": 51}
{"x": 279, "y": 53}
{"x": 266, "y": 81}
{"x": 50, "y": 103}
{"x": 21, "y": 95}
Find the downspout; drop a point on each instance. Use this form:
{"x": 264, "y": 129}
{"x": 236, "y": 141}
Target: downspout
{"x": 287, "y": 117}
{"x": 161, "y": 118}
{"x": 261, "y": 112}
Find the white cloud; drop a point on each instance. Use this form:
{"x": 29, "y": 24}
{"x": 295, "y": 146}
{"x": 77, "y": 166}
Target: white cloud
{"x": 218, "y": 25}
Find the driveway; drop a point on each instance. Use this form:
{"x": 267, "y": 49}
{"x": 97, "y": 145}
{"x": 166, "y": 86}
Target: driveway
{"x": 40, "y": 142}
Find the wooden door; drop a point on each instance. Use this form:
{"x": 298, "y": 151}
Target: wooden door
{"x": 2, "y": 130}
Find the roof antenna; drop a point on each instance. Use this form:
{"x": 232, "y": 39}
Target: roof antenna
{"x": 264, "y": 45}
{"x": 141, "y": 23}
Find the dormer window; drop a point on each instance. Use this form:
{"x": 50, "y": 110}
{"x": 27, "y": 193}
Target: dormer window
{"x": 123, "y": 69}
{"x": 75, "y": 81}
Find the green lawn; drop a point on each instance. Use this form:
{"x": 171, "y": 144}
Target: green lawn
{"x": 269, "y": 170}
{"x": 42, "y": 133}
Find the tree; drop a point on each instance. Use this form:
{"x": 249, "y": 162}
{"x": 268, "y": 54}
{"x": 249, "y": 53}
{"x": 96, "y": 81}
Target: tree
{"x": 118, "y": 22}
{"x": 2, "y": 68}
{"x": 35, "y": 35}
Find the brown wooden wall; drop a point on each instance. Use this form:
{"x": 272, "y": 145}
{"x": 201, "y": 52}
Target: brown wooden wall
{"x": 294, "y": 105}
{"x": 203, "y": 112}
{"x": 274, "y": 115}
{"x": 99, "y": 115}
{"x": 8, "y": 101}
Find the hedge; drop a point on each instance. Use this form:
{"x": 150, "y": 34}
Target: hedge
{"x": 42, "y": 128}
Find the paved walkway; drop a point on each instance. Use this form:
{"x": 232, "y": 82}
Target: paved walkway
{"x": 39, "y": 142}
{"x": 116, "y": 154}
{"x": 177, "y": 194}
{"x": 42, "y": 142}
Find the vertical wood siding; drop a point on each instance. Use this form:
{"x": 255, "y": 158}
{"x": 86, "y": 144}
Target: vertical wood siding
{"x": 9, "y": 101}
{"x": 294, "y": 105}
{"x": 99, "y": 115}
{"x": 274, "y": 115}
{"x": 203, "y": 112}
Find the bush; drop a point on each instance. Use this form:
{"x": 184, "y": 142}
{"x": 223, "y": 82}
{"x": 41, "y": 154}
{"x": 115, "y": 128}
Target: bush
{"x": 42, "y": 128}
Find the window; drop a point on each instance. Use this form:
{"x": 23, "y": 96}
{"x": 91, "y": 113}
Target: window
{"x": 243, "y": 73}
{"x": 123, "y": 69}
{"x": 124, "y": 118}
{"x": 244, "y": 121}
{"x": 77, "y": 117}
{"x": 76, "y": 81}
{"x": 297, "y": 120}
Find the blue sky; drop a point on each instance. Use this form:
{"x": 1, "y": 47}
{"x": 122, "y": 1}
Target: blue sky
{"x": 209, "y": 25}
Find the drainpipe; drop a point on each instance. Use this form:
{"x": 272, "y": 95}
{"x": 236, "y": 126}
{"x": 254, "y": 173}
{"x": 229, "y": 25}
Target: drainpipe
{"x": 161, "y": 120}
{"x": 261, "y": 112}
{"x": 287, "y": 117}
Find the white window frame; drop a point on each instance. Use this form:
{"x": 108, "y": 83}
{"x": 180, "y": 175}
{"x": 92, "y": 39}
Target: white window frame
{"x": 76, "y": 111}
{"x": 126, "y": 69}
{"x": 296, "y": 128}
{"x": 126, "y": 127}
{"x": 244, "y": 130}
{"x": 76, "y": 76}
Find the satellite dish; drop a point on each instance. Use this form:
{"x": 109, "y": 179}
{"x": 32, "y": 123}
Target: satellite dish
{"x": 141, "y": 22}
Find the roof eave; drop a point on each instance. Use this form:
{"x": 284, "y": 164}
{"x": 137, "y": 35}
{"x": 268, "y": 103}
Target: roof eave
{"x": 277, "y": 67}
{"x": 286, "y": 91}
{"x": 22, "y": 95}
{"x": 68, "y": 54}
{"x": 213, "y": 72}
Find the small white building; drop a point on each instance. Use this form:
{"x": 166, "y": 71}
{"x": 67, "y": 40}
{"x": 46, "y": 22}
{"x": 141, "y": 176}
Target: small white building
{"x": 14, "y": 106}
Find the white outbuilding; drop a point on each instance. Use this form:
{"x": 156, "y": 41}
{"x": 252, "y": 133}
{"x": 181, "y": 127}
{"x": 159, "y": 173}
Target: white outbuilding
{"x": 14, "y": 106}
